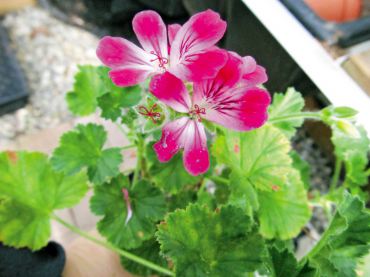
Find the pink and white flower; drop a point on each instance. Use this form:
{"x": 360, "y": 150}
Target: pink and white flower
{"x": 192, "y": 55}
{"x": 231, "y": 99}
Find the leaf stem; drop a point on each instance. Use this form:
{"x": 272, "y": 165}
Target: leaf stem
{"x": 119, "y": 126}
{"x": 115, "y": 249}
{"x": 139, "y": 163}
{"x": 128, "y": 146}
{"x": 337, "y": 170}
{"x": 303, "y": 115}
{"x": 219, "y": 179}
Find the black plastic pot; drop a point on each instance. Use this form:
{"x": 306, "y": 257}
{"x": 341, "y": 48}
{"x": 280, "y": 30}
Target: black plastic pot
{"x": 343, "y": 34}
{"x": 47, "y": 262}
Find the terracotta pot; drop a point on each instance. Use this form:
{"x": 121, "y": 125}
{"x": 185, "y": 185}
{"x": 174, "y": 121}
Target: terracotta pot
{"x": 336, "y": 10}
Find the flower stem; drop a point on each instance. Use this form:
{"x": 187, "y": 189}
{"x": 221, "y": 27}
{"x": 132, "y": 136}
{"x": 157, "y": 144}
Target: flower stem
{"x": 128, "y": 146}
{"x": 302, "y": 115}
{"x": 115, "y": 249}
{"x": 119, "y": 126}
{"x": 139, "y": 163}
{"x": 219, "y": 179}
{"x": 337, "y": 170}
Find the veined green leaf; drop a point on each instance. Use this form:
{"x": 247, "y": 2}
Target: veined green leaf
{"x": 205, "y": 243}
{"x": 345, "y": 241}
{"x": 283, "y": 264}
{"x": 285, "y": 211}
{"x": 83, "y": 147}
{"x": 260, "y": 156}
{"x": 149, "y": 251}
{"x": 117, "y": 98}
{"x": 287, "y": 104}
{"x": 30, "y": 191}
{"x": 88, "y": 86}
{"x": 303, "y": 167}
{"x": 264, "y": 180}
{"x": 147, "y": 204}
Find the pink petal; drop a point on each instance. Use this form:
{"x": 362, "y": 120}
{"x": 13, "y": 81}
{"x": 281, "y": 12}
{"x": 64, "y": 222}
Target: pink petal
{"x": 253, "y": 74}
{"x": 124, "y": 77}
{"x": 196, "y": 157}
{"x": 201, "y": 32}
{"x": 228, "y": 76}
{"x": 188, "y": 134}
{"x": 172, "y": 139}
{"x": 151, "y": 32}
{"x": 201, "y": 66}
{"x": 118, "y": 52}
{"x": 172, "y": 31}
{"x": 241, "y": 109}
{"x": 171, "y": 91}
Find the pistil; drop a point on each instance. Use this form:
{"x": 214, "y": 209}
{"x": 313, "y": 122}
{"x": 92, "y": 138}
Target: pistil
{"x": 197, "y": 112}
{"x": 161, "y": 60}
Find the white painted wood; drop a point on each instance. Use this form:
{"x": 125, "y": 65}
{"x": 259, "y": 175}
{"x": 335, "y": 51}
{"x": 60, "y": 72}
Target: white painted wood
{"x": 329, "y": 77}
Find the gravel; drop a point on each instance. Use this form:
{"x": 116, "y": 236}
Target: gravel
{"x": 48, "y": 51}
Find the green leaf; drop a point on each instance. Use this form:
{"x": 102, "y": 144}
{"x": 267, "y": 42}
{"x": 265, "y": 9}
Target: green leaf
{"x": 30, "y": 191}
{"x": 243, "y": 195}
{"x": 351, "y": 145}
{"x": 263, "y": 179}
{"x": 83, "y": 147}
{"x": 287, "y": 104}
{"x": 205, "y": 243}
{"x": 303, "y": 167}
{"x": 88, "y": 86}
{"x": 118, "y": 98}
{"x": 171, "y": 176}
{"x": 284, "y": 212}
{"x": 354, "y": 152}
{"x": 260, "y": 156}
{"x": 148, "y": 206}
{"x": 283, "y": 263}
{"x": 345, "y": 241}
{"x": 149, "y": 251}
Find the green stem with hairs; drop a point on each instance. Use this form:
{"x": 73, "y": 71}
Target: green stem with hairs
{"x": 140, "y": 163}
{"x": 115, "y": 249}
{"x": 128, "y": 147}
{"x": 302, "y": 115}
{"x": 337, "y": 170}
{"x": 219, "y": 179}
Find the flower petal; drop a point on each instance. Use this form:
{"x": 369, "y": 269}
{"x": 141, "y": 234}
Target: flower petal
{"x": 118, "y": 52}
{"x": 200, "y": 33}
{"x": 196, "y": 157}
{"x": 151, "y": 32}
{"x": 253, "y": 74}
{"x": 203, "y": 30}
{"x": 124, "y": 77}
{"x": 171, "y": 91}
{"x": 172, "y": 139}
{"x": 172, "y": 31}
{"x": 241, "y": 109}
{"x": 228, "y": 76}
{"x": 200, "y": 66}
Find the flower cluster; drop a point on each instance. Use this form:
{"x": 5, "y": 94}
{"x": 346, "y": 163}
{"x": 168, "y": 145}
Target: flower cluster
{"x": 224, "y": 86}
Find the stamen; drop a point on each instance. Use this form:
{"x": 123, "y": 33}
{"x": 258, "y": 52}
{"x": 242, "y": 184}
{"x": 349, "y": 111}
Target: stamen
{"x": 150, "y": 113}
{"x": 197, "y": 111}
{"x": 162, "y": 61}
{"x": 128, "y": 205}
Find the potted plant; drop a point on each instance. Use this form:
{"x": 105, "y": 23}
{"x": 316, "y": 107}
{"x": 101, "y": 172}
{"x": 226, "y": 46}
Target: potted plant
{"x": 217, "y": 189}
